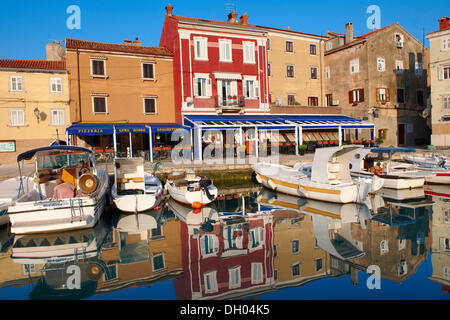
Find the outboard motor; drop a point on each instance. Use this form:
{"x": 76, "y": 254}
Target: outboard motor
{"x": 204, "y": 184}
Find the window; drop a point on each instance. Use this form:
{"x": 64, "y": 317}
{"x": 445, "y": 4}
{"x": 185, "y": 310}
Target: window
{"x": 291, "y": 99}
{"x": 257, "y": 272}
{"x": 268, "y": 44}
{"x": 99, "y": 104}
{"x": 329, "y": 45}
{"x": 17, "y": 117}
{"x": 148, "y": 71}
{"x": 225, "y": 50}
{"x": 58, "y": 117}
{"x": 289, "y": 46}
{"x": 354, "y": 66}
{"x": 202, "y": 86}
{"x": 256, "y": 237}
{"x": 249, "y": 52}
{"x": 98, "y": 68}
{"x": 296, "y": 270}
{"x": 401, "y": 243}
{"x": 383, "y": 95}
{"x": 275, "y": 274}
{"x": 312, "y": 49}
{"x": 274, "y": 251}
{"x": 290, "y": 71}
{"x": 445, "y": 44}
{"x": 382, "y": 133}
{"x": 418, "y": 68}
{"x": 356, "y": 96}
{"x": 269, "y": 69}
{"x": 319, "y": 265}
{"x": 447, "y": 216}
{"x": 313, "y": 101}
{"x": 295, "y": 246}
{"x": 313, "y": 71}
{"x": 149, "y": 105}
{"x": 158, "y": 262}
{"x": 201, "y": 48}
{"x": 16, "y": 84}
{"x": 401, "y": 95}
{"x": 444, "y": 244}
{"x": 210, "y": 279}
{"x": 329, "y": 98}
{"x": 446, "y": 102}
{"x": 28, "y": 269}
{"x": 327, "y": 73}
{"x": 251, "y": 89}
{"x": 420, "y": 100}
{"x": 56, "y": 85}
{"x": 156, "y": 233}
{"x": 446, "y": 272}
{"x": 381, "y": 66}
{"x": 398, "y": 40}
{"x": 384, "y": 247}
{"x": 443, "y": 72}
{"x": 234, "y": 277}
{"x": 402, "y": 268}
{"x": 399, "y": 66}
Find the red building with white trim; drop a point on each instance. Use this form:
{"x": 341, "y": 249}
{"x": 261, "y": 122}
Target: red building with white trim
{"x": 219, "y": 67}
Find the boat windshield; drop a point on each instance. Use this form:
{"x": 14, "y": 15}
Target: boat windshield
{"x": 63, "y": 160}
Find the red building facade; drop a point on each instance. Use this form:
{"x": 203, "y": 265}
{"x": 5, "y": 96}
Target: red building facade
{"x": 219, "y": 67}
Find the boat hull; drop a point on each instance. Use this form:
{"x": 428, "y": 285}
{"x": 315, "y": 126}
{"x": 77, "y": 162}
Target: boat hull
{"x": 134, "y": 203}
{"x": 394, "y": 183}
{"x": 438, "y": 178}
{"x": 189, "y": 197}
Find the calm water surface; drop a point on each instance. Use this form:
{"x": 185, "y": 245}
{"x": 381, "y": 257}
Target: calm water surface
{"x": 249, "y": 243}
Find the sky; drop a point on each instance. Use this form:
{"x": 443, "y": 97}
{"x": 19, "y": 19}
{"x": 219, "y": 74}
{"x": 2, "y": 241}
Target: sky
{"x": 27, "y": 25}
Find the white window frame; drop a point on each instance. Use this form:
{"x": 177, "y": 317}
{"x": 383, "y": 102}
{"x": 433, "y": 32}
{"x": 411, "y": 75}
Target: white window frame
{"x": 17, "y": 82}
{"x": 447, "y": 212}
{"x": 248, "y": 51}
{"x": 208, "y": 85}
{"x": 292, "y": 247}
{"x": 285, "y": 46}
{"x": 381, "y": 64}
{"x": 253, "y": 94}
{"x": 327, "y": 73}
{"x": 163, "y": 259}
{"x": 212, "y": 275}
{"x": 234, "y": 274}
{"x": 329, "y": 45}
{"x": 402, "y": 39}
{"x": 214, "y": 244}
{"x": 399, "y": 66}
{"x": 446, "y": 272}
{"x": 223, "y": 44}
{"x": 203, "y": 56}
{"x": 446, "y": 102}
{"x": 293, "y": 71}
{"x": 61, "y": 116}
{"x": 257, "y": 273}
{"x": 310, "y": 45}
{"x": 55, "y": 81}
{"x": 105, "y": 75}
{"x": 445, "y": 44}
{"x": 354, "y": 66}
{"x": 17, "y": 111}
{"x": 106, "y": 103}
{"x": 384, "y": 246}
{"x": 310, "y": 73}
{"x": 403, "y": 264}
{"x": 154, "y": 70}
{"x": 401, "y": 244}
{"x": 259, "y": 238}
{"x": 321, "y": 266}
{"x": 299, "y": 269}
{"x": 156, "y": 105}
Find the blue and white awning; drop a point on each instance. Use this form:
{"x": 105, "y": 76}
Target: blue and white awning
{"x": 94, "y": 129}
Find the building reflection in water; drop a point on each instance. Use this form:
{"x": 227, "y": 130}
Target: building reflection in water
{"x": 243, "y": 245}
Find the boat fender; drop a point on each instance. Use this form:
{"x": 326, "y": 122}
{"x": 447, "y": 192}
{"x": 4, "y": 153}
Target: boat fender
{"x": 94, "y": 272}
{"x": 272, "y": 184}
{"x": 88, "y": 183}
{"x": 258, "y": 178}
{"x": 196, "y": 205}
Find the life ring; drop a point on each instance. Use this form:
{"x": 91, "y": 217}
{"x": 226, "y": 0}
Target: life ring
{"x": 88, "y": 183}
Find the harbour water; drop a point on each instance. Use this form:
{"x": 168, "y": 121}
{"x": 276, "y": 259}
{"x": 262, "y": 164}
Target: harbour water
{"x": 250, "y": 243}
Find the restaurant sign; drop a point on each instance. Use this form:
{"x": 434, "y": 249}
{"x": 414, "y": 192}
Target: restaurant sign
{"x": 8, "y": 146}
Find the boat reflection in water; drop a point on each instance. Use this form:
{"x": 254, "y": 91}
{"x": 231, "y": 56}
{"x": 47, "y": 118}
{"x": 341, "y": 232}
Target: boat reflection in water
{"x": 244, "y": 244}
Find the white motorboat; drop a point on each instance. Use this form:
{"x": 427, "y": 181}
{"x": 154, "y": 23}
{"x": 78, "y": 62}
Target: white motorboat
{"x": 9, "y": 191}
{"x": 432, "y": 173}
{"x": 190, "y": 189}
{"x": 68, "y": 191}
{"x": 434, "y": 161}
{"x": 328, "y": 179}
{"x": 395, "y": 175}
{"x": 134, "y": 190}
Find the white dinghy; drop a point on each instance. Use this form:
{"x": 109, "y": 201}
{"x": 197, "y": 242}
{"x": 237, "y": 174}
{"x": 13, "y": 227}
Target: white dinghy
{"x": 68, "y": 192}
{"x": 187, "y": 188}
{"x": 395, "y": 175}
{"x": 134, "y": 190}
{"x": 328, "y": 179}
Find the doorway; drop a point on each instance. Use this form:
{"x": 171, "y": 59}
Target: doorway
{"x": 401, "y": 134}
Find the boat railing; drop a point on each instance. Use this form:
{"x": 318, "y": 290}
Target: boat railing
{"x": 76, "y": 204}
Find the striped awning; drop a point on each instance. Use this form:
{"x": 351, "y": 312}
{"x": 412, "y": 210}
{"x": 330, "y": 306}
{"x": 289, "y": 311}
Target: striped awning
{"x": 227, "y": 76}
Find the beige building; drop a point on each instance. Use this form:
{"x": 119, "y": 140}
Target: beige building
{"x": 440, "y": 83}
{"x": 34, "y": 100}
{"x": 295, "y": 68}
{"x": 380, "y": 77}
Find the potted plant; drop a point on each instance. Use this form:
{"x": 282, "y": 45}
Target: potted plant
{"x": 378, "y": 141}
{"x": 302, "y": 149}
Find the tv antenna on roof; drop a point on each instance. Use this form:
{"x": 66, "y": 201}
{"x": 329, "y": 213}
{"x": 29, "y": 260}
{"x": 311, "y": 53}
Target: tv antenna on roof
{"x": 230, "y": 7}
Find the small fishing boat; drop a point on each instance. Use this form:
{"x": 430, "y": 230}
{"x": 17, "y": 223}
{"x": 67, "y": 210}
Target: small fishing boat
{"x": 190, "y": 189}
{"x": 134, "y": 190}
{"x": 395, "y": 175}
{"x": 435, "y": 160}
{"x": 432, "y": 173}
{"x": 328, "y": 179}
{"x": 68, "y": 191}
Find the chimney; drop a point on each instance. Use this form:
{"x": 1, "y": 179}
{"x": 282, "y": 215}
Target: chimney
{"x": 244, "y": 19}
{"x": 288, "y": 28}
{"x": 348, "y": 32}
{"x": 128, "y": 42}
{"x": 54, "y": 51}
{"x": 444, "y": 23}
{"x": 137, "y": 42}
{"x": 232, "y": 17}
{"x": 169, "y": 9}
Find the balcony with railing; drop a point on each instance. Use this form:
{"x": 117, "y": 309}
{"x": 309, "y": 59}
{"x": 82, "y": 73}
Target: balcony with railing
{"x": 231, "y": 104}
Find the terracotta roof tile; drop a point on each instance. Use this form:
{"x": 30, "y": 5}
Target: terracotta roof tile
{"x": 32, "y": 64}
{"x": 102, "y": 46}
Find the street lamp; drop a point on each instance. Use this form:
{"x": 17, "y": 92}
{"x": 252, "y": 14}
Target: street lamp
{"x": 37, "y": 113}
